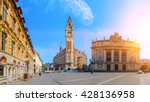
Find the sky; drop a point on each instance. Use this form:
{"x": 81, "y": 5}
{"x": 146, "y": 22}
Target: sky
{"x": 46, "y": 21}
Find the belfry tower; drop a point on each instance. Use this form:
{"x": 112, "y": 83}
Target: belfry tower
{"x": 69, "y": 57}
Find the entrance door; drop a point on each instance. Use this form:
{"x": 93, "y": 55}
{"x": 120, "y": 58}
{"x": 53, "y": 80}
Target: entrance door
{"x": 124, "y": 67}
{"x": 108, "y": 67}
{"x": 116, "y": 67}
{"x": 1, "y": 70}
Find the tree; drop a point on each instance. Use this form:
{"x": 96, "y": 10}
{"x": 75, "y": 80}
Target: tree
{"x": 44, "y": 66}
{"x": 84, "y": 67}
{"x": 144, "y": 67}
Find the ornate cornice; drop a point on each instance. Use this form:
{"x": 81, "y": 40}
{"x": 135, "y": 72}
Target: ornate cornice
{"x": 116, "y": 38}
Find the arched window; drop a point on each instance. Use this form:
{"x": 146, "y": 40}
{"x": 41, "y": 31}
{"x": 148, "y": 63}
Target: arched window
{"x": 108, "y": 54}
{"x": 124, "y": 56}
{"x": 116, "y": 56}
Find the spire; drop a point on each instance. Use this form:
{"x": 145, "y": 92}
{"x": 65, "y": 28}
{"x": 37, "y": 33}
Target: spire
{"x": 60, "y": 49}
{"x": 69, "y": 28}
{"x": 69, "y": 18}
{"x": 69, "y": 22}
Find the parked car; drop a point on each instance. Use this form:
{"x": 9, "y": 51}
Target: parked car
{"x": 70, "y": 70}
{"x": 140, "y": 72}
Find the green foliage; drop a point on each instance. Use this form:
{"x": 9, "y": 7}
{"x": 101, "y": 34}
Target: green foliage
{"x": 144, "y": 67}
{"x": 44, "y": 66}
{"x": 84, "y": 67}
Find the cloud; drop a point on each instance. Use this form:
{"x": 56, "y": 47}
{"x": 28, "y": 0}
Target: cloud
{"x": 77, "y": 7}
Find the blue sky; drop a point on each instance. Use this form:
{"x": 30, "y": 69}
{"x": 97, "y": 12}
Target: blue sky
{"x": 46, "y": 21}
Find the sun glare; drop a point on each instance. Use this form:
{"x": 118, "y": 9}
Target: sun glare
{"x": 137, "y": 24}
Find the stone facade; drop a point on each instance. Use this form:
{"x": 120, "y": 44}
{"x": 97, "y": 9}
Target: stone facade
{"x": 38, "y": 63}
{"x": 145, "y": 62}
{"x": 16, "y": 50}
{"x": 115, "y": 54}
{"x": 70, "y": 57}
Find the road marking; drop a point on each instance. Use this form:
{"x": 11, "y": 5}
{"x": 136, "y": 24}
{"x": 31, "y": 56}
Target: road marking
{"x": 77, "y": 79}
{"x": 55, "y": 80}
{"x": 111, "y": 79}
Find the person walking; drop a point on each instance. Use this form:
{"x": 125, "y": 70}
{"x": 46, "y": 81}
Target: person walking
{"x": 39, "y": 73}
{"x": 91, "y": 68}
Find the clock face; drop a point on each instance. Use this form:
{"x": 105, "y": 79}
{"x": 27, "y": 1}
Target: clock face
{"x": 70, "y": 29}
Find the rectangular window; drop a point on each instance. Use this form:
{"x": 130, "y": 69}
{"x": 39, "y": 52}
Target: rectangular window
{"x": 13, "y": 25}
{"x": 13, "y": 48}
{"x": 4, "y": 42}
{"x": 4, "y": 12}
{"x": 19, "y": 30}
{"x": 18, "y": 51}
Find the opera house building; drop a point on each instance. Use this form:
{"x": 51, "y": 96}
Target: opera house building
{"x": 115, "y": 54}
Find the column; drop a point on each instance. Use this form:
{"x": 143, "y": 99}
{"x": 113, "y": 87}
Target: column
{"x": 4, "y": 71}
{"x": 112, "y": 55}
{"x": 120, "y": 56}
{"x": 104, "y": 55}
{"x": 127, "y": 56}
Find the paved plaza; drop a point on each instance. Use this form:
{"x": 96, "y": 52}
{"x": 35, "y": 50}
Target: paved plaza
{"x": 86, "y": 78}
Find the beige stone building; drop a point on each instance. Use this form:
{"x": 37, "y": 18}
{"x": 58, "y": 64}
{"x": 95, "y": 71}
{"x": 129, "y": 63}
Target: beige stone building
{"x": 16, "y": 50}
{"x": 145, "y": 62}
{"x": 115, "y": 54}
{"x": 38, "y": 63}
{"x": 70, "y": 57}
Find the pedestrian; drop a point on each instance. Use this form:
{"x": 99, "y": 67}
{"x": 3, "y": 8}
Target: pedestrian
{"x": 91, "y": 68}
{"x": 39, "y": 73}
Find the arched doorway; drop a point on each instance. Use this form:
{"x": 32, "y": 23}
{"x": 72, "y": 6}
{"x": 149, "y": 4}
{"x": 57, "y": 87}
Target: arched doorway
{"x": 124, "y": 67}
{"x": 116, "y": 67}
